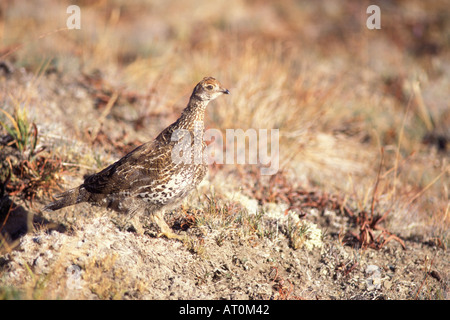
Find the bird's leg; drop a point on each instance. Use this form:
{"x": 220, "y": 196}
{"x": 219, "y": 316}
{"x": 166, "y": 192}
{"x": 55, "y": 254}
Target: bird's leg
{"x": 131, "y": 222}
{"x": 166, "y": 231}
{"x": 135, "y": 223}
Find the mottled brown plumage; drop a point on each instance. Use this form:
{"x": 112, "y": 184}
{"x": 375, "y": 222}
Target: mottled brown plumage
{"x": 148, "y": 179}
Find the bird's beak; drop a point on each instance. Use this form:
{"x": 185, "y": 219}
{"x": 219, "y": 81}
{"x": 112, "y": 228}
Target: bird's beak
{"x": 225, "y": 91}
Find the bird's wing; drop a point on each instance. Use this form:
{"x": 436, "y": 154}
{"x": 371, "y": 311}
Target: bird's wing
{"x": 139, "y": 167}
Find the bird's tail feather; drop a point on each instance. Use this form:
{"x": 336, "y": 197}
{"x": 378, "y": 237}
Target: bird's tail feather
{"x": 67, "y": 198}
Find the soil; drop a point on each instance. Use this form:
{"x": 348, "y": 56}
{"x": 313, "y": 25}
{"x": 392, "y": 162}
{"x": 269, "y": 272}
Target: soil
{"x": 94, "y": 259}
{"x": 83, "y": 253}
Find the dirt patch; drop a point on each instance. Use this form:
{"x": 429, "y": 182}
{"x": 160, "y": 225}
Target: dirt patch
{"x": 96, "y": 260}
{"x": 339, "y": 93}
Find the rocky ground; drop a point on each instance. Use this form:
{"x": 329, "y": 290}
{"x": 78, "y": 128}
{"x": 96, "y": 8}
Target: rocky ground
{"x": 94, "y": 259}
{"x": 358, "y": 210}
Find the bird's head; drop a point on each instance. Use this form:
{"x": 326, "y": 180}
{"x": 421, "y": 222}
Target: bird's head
{"x": 208, "y": 89}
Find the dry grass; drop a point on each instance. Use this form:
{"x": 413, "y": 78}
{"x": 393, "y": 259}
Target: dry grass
{"x": 337, "y": 92}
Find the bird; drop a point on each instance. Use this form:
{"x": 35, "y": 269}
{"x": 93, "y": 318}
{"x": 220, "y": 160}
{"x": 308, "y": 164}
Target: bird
{"x": 152, "y": 179}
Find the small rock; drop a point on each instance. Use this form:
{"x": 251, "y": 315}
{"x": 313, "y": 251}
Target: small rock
{"x": 372, "y": 269}
{"x": 387, "y": 284}
{"x": 374, "y": 279}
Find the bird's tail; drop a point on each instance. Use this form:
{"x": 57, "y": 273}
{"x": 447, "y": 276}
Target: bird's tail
{"x": 68, "y": 198}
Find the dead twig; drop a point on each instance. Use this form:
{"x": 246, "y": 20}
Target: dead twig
{"x": 427, "y": 272}
{"x": 369, "y": 222}
{"x": 112, "y": 100}
{"x": 279, "y": 284}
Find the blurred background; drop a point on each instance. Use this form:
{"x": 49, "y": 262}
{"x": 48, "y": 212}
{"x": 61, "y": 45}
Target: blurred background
{"x": 338, "y": 92}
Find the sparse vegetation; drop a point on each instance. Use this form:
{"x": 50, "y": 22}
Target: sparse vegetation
{"x": 24, "y": 170}
{"x": 363, "y": 119}
{"x": 23, "y": 135}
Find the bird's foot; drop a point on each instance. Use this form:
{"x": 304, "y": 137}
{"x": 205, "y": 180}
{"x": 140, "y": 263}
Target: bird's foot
{"x": 171, "y": 235}
{"x": 166, "y": 231}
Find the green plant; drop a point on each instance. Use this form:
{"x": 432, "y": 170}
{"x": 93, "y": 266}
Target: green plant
{"x": 23, "y": 169}
{"x": 297, "y": 232}
{"x": 24, "y": 133}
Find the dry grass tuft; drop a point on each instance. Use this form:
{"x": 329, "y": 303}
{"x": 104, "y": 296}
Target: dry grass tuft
{"x": 338, "y": 93}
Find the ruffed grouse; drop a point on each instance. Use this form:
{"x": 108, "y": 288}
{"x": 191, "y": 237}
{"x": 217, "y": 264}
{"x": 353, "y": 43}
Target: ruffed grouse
{"x": 151, "y": 178}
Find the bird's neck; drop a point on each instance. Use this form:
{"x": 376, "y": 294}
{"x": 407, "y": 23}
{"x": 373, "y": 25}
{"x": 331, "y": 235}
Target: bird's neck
{"x": 193, "y": 114}
{"x": 191, "y": 119}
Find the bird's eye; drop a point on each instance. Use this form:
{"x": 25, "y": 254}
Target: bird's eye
{"x": 209, "y": 87}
